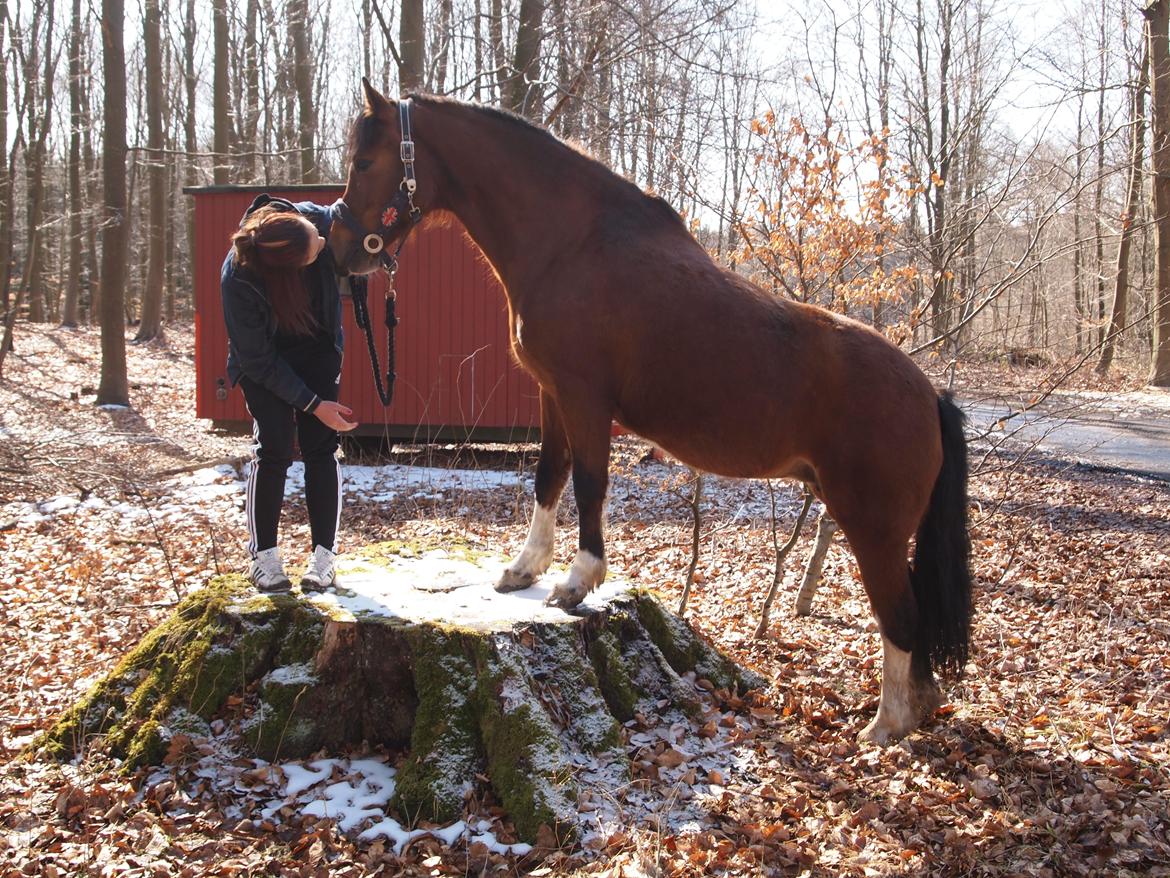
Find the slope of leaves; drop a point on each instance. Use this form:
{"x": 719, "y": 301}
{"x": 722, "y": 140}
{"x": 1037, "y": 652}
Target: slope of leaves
{"x": 1052, "y": 758}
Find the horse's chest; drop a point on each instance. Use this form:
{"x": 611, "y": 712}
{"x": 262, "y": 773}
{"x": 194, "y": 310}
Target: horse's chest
{"x": 528, "y": 351}
{"x": 523, "y": 354}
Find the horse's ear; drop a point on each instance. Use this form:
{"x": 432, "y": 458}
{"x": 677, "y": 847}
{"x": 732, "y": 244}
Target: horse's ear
{"x": 374, "y": 100}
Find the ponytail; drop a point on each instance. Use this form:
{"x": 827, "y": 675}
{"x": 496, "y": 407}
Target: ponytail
{"x": 273, "y": 242}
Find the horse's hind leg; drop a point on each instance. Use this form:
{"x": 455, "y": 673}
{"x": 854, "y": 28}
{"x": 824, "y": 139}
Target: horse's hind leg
{"x": 909, "y": 693}
{"x": 587, "y": 426}
{"x": 552, "y": 471}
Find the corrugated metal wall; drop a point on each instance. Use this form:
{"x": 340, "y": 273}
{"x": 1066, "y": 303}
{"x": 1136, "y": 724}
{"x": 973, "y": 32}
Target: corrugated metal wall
{"x": 455, "y": 374}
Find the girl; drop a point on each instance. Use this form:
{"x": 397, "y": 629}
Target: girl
{"x": 282, "y": 308}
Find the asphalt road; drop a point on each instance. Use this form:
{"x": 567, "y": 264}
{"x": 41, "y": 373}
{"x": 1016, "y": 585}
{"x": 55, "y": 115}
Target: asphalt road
{"x": 1094, "y": 435}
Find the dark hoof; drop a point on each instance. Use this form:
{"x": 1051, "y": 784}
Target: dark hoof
{"x": 512, "y": 581}
{"x": 564, "y": 599}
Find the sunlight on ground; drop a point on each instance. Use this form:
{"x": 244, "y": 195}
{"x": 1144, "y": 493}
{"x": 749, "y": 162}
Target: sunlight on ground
{"x": 444, "y": 588}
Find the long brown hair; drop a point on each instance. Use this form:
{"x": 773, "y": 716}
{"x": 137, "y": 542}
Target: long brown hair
{"x": 274, "y": 243}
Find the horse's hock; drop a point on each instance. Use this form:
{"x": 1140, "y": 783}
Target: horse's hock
{"x": 416, "y": 651}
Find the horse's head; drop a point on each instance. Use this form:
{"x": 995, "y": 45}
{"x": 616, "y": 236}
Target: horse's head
{"x": 378, "y": 206}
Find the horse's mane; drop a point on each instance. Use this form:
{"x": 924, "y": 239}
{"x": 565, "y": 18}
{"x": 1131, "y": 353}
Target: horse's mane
{"x": 567, "y": 150}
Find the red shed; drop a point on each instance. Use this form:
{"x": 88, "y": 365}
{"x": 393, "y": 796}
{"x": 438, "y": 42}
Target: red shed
{"x": 456, "y": 377}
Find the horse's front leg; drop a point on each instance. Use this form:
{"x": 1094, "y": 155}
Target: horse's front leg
{"x": 588, "y": 431}
{"x": 552, "y": 471}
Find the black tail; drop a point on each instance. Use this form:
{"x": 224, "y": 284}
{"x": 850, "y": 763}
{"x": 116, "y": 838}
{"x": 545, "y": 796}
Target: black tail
{"x": 941, "y": 574}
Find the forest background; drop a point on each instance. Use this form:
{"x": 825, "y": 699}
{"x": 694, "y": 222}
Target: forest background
{"x": 980, "y": 180}
{"x": 971, "y": 177}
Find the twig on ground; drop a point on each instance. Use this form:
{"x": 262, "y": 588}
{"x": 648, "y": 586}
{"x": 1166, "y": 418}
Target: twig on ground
{"x": 697, "y": 524}
{"x": 234, "y": 461}
{"x": 781, "y": 554}
{"x": 158, "y": 537}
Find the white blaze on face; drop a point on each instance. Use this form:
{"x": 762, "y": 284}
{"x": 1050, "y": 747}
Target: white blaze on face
{"x": 519, "y": 331}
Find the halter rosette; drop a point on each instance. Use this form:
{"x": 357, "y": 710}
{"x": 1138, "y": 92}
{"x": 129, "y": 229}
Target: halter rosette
{"x": 401, "y": 211}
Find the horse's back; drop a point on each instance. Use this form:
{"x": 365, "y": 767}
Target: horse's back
{"x": 742, "y": 382}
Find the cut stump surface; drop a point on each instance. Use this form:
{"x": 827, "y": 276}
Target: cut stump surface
{"x": 416, "y": 651}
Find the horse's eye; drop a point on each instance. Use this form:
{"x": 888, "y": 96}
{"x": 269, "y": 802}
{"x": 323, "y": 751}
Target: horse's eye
{"x": 362, "y": 164}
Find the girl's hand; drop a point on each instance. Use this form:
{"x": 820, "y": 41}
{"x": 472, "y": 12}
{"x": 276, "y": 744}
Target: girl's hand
{"x": 332, "y": 415}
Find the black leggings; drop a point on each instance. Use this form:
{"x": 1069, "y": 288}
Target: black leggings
{"x": 273, "y": 422}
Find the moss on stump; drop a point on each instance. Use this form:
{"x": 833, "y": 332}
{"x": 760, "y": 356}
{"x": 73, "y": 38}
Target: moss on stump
{"x": 417, "y": 653}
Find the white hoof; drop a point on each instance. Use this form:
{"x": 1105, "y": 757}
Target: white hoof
{"x": 585, "y": 575}
{"x": 876, "y": 734}
{"x": 536, "y": 556}
{"x": 903, "y": 703}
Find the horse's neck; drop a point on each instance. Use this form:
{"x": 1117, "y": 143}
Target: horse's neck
{"x": 492, "y": 191}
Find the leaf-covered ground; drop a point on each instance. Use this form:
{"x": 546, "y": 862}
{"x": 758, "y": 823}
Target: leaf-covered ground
{"x": 1052, "y": 758}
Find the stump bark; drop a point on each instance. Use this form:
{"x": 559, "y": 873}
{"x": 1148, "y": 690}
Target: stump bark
{"x": 415, "y": 651}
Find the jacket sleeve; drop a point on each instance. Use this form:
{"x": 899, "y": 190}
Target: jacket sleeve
{"x": 319, "y": 215}
{"x": 246, "y": 317}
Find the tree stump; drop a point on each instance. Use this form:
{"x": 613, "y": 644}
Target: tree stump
{"x": 415, "y": 650}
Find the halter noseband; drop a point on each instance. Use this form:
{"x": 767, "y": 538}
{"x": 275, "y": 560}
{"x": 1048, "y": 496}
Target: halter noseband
{"x": 400, "y": 210}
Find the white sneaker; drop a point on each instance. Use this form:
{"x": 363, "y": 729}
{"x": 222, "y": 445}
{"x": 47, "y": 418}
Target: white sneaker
{"x": 268, "y": 573}
{"x": 320, "y": 573}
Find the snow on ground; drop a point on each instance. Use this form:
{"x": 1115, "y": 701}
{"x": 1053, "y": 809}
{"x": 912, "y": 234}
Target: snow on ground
{"x": 654, "y": 490}
{"x": 697, "y": 760}
{"x": 356, "y": 793}
{"x": 439, "y": 586}
{"x": 192, "y": 493}
{"x": 381, "y": 484}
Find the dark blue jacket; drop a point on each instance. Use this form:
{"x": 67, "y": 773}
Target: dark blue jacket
{"x": 251, "y": 324}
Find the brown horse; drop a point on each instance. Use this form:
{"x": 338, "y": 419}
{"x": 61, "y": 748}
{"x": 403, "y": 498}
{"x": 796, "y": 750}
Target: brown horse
{"x": 620, "y": 314}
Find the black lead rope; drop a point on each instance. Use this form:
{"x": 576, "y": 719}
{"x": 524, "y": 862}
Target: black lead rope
{"x": 359, "y": 291}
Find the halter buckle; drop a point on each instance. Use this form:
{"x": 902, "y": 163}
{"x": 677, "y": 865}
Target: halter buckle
{"x": 406, "y": 151}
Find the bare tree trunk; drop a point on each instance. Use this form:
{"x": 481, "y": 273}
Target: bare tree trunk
{"x": 1099, "y": 193}
{"x": 251, "y": 119}
{"x": 91, "y": 183}
{"x": 39, "y": 103}
{"x": 885, "y": 64}
{"x": 1158, "y": 17}
{"x": 1078, "y": 248}
{"x": 565, "y": 78}
{"x": 496, "y": 35}
{"x": 523, "y": 93}
{"x": 477, "y": 36}
{"x": 443, "y": 46}
{"x": 1132, "y": 194}
{"x": 150, "y": 325}
{"x": 6, "y": 210}
{"x": 937, "y": 153}
{"x": 367, "y": 29}
{"x": 298, "y": 23}
{"x": 220, "y": 93}
{"x": 69, "y": 316}
{"x": 10, "y": 315}
{"x": 190, "y": 163}
{"x": 941, "y": 297}
{"x": 411, "y": 43}
{"x": 114, "y": 387}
